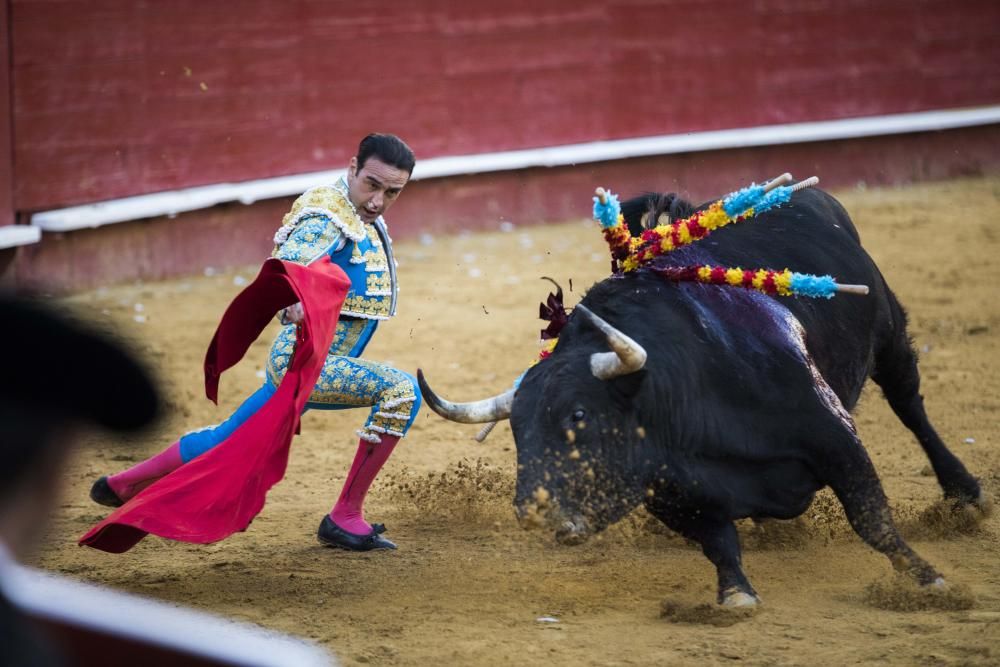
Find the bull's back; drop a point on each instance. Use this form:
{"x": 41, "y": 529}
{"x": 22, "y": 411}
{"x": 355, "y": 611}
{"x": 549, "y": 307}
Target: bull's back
{"x": 813, "y": 234}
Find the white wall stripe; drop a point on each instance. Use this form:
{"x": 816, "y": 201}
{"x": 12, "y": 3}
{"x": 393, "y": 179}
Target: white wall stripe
{"x": 178, "y": 201}
{"x": 15, "y": 235}
{"x": 156, "y": 623}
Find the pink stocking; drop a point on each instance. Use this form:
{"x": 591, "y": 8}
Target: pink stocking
{"x": 348, "y": 513}
{"x": 129, "y": 482}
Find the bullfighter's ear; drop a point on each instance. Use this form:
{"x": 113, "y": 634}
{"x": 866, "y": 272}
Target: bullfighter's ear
{"x": 627, "y": 386}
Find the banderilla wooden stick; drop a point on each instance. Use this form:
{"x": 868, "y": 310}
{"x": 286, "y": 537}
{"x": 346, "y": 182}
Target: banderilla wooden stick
{"x": 808, "y": 183}
{"x": 778, "y": 180}
{"x": 485, "y": 431}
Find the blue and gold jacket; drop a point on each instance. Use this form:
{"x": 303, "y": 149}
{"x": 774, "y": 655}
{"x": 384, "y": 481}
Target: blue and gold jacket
{"x": 323, "y": 221}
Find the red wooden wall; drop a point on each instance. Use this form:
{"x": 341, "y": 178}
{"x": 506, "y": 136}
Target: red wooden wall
{"x": 119, "y": 97}
{"x": 6, "y": 124}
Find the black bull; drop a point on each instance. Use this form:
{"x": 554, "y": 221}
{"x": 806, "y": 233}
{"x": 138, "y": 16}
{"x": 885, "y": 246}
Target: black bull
{"x": 741, "y": 408}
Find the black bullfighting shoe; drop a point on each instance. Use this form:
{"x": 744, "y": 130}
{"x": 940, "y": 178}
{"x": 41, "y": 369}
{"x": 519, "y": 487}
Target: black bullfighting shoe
{"x": 102, "y": 493}
{"x": 333, "y": 535}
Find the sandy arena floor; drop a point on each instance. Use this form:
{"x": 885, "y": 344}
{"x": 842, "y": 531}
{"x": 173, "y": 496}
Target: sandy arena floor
{"x": 467, "y": 584}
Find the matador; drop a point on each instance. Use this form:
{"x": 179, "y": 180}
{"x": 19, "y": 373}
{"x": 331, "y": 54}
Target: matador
{"x": 344, "y": 221}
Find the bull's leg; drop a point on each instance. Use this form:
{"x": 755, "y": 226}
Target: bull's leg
{"x": 896, "y": 373}
{"x": 721, "y": 545}
{"x": 852, "y": 477}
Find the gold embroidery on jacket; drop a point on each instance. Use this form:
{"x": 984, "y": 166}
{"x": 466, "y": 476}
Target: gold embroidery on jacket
{"x": 314, "y": 224}
{"x": 372, "y": 307}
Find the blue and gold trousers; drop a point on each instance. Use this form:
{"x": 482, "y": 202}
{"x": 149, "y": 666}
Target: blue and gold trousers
{"x": 345, "y": 382}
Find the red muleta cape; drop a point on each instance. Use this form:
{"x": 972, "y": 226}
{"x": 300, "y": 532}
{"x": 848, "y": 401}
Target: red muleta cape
{"x": 220, "y": 492}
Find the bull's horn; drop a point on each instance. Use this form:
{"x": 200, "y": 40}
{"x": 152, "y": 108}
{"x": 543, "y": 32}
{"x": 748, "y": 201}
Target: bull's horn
{"x": 488, "y": 410}
{"x": 628, "y": 356}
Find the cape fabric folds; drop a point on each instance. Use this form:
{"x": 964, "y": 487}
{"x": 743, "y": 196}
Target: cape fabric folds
{"x": 219, "y": 493}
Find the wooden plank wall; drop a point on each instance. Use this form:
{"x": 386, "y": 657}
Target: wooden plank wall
{"x": 114, "y": 98}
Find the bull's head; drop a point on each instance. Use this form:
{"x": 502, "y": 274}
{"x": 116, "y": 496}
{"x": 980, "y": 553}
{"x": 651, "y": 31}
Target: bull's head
{"x": 577, "y": 430}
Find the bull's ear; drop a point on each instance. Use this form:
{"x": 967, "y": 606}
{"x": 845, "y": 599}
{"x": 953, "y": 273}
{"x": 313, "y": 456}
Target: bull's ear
{"x": 627, "y": 386}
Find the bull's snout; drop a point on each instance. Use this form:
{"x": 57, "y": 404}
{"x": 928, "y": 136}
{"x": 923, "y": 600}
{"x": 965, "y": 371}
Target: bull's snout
{"x": 538, "y": 510}
{"x": 569, "y": 531}
{"x": 530, "y": 515}
{"x": 533, "y": 509}
{"x": 573, "y": 531}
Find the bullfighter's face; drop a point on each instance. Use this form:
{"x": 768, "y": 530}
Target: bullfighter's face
{"x": 374, "y": 186}
{"x": 579, "y": 444}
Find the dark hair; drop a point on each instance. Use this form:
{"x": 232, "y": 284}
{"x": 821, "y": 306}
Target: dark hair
{"x": 58, "y": 371}
{"x": 387, "y": 148}
{"x": 649, "y": 206}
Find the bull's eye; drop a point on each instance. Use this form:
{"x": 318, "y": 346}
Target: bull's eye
{"x": 579, "y": 415}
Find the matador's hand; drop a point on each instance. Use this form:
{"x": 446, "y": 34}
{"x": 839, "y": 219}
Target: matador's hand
{"x": 293, "y": 314}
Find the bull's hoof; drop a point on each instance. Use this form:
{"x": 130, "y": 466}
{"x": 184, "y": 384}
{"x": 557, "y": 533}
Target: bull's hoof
{"x": 984, "y": 504}
{"x": 901, "y": 593}
{"x": 951, "y": 516}
{"x": 967, "y": 493}
{"x": 978, "y": 506}
{"x": 735, "y": 598}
